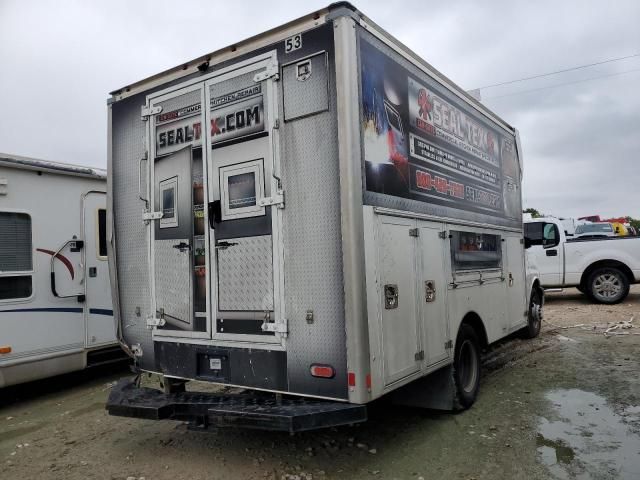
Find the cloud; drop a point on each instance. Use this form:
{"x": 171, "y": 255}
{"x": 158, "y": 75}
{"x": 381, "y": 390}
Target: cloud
{"x": 61, "y": 58}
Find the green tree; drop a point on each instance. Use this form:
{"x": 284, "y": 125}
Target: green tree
{"x": 534, "y": 213}
{"x": 634, "y": 222}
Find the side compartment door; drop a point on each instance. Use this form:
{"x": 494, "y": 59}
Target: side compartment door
{"x": 516, "y": 281}
{"x": 397, "y": 276}
{"x": 432, "y": 288}
{"x": 99, "y": 309}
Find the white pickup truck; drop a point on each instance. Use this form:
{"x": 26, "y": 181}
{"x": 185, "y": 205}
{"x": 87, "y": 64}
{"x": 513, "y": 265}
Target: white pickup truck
{"x": 602, "y": 268}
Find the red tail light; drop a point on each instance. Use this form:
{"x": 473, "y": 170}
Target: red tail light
{"x": 322, "y": 371}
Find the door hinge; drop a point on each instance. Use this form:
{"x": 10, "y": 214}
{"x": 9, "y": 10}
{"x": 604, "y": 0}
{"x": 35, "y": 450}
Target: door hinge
{"x": 442, "y": 234}
{"x": 270, "y": 71}
{"x": 157, "y": 321}
{"x": 148, "y": 216}
{"x": 275, "y": 327}
{"x": 274, "y": 200}
{"x": 146, "y": 112}
{"x": 419, "y": 356}
{"x": 414, "y": 232}
{"x": 448, "y": 344}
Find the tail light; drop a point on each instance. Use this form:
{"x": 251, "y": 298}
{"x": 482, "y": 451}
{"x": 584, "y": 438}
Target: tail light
{"x": 4, "y": 349}
{"x": 322, "y": 371}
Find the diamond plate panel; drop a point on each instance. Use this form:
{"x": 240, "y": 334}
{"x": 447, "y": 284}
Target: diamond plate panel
{"x": 313, "y": 247}
{"x": 173, "y": 280}
{"x": 309, "y": 96}
{"x": 245, "y": 275}
{"x": 131, "y": 234}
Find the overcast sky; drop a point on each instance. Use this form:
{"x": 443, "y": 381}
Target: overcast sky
{"x": 581, "y": 141}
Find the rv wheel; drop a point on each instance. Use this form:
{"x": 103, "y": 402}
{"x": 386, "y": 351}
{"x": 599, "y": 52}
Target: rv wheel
{"x": 466, "y": 366}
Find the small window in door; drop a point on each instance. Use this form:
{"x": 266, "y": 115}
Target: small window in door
{"x": 168, "y": 206}
{"x": 102, "y": 233}
{"x": 241, "y": 188}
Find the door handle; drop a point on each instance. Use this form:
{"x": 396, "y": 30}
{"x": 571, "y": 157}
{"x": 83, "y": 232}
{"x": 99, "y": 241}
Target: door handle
{"x": 182, "y": 246}
{"x": 224, "y": 245}
{"x": 215, "y": 213}
{"x": 552, "y": 253}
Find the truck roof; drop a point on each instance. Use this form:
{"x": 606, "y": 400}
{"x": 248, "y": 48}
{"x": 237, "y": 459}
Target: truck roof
{"x": 283, "y": 31}
{"x": 27, "y": 163}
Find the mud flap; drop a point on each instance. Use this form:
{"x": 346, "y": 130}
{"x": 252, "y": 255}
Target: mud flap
{"x": 436, "y": 391}
{"x": 248, "y": 409}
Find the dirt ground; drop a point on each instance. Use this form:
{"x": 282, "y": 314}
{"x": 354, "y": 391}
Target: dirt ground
{"x": 565, "y": 405}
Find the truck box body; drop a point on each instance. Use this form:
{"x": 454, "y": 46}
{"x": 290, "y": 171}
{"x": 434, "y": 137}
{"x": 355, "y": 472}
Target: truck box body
{"x": 312, "y": 211}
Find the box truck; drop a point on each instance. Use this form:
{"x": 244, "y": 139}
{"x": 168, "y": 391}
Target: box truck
{"x": 55, "y": 301}
{"x": 318, "y": 216}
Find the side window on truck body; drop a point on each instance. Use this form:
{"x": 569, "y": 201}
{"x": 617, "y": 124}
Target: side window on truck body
{"x": 475, "y": 251}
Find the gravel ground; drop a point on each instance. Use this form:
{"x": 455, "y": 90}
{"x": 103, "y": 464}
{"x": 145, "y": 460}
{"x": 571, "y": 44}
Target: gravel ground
{"x": 564, "y": 405}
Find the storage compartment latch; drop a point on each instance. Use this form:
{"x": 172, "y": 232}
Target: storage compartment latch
{"x": 390, "y": 296}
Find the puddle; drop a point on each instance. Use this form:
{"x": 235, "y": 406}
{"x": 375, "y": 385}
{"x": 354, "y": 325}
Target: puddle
{"x": 586, "y": 439}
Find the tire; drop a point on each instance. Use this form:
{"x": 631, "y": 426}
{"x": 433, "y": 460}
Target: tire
{"x": 534, "y": 317}
{"x": 607, "y": 285}
{"x": 466, "y": 367}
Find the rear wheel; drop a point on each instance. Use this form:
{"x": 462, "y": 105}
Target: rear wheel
{"x": 466, "y": 366}
{"x": 534, "y": 316}
{"x": 607, "y": 285}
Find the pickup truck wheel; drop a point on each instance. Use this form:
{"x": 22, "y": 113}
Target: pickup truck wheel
{"x": 534, "y": 317}
{"x": 607, "y": 285}
{"x": 466, "y": 367}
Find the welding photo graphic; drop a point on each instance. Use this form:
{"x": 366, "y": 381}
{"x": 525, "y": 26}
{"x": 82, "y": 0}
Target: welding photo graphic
{"x": 385, "y": 136}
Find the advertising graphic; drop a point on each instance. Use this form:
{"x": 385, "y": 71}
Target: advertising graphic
{"x": 421, "y": 143}
{"x": 232, "y": 115}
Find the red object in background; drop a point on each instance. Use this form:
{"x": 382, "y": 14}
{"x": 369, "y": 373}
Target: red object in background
{"x": 591, "y": 218}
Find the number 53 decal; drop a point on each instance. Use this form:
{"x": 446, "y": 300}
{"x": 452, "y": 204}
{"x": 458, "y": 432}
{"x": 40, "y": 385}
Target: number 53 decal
{"x": 293, "y": 43}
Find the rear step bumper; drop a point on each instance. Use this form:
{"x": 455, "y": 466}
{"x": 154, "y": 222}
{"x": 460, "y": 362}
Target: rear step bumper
{"x": 248, "y": 409}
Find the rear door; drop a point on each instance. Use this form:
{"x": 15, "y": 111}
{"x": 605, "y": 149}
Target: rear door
{"x": 245, "y": 199}
{"x": 178, "y": 235}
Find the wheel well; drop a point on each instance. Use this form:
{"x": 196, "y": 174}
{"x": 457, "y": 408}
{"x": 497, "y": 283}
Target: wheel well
{"x": 473, "y": 319}
{"x": 606, "y": 263}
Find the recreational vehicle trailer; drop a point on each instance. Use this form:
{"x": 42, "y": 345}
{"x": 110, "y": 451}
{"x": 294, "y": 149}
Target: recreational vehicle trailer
{"x": 318, "y": 216}
{"x": 55, "y": 301}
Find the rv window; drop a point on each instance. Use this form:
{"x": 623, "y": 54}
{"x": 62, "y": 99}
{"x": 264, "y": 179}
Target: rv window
{"x": 475, "y": 251}
{"x": 15, "y": 287}
{"x": 102, "y": 232}
{"x": 15, "y": 242}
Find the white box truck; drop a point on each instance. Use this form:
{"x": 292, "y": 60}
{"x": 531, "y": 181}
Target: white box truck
{"x": 314, "y": 212}
{"x": 55, "y": 301}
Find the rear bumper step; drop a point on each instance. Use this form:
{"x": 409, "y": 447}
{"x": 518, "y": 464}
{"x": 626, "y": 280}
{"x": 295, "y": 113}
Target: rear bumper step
{"x": 248, "y": 409}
